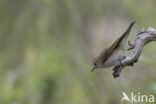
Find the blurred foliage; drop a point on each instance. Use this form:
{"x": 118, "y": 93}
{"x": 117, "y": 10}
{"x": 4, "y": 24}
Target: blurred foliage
{"x": 47, "y": 48}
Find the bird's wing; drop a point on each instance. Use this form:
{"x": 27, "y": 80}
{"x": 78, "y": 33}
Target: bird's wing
{"x": 108, "y": 51}
{"x": 121, "y": 41}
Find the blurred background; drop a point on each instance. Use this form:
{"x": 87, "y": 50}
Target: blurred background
{"x": 47, "y": 48}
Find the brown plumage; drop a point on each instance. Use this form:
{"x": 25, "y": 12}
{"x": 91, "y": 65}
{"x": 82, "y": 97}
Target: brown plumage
{"x": 118, "y": 45}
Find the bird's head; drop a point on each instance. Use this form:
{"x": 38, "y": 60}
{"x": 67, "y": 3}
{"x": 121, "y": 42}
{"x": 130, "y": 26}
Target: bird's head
{"x": 97, "y": 63}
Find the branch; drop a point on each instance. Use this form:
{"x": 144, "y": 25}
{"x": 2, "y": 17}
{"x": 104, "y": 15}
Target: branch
{"x": 137, "y": 46}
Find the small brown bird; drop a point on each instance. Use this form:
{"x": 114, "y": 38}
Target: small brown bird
{"x": 113, "y": 54}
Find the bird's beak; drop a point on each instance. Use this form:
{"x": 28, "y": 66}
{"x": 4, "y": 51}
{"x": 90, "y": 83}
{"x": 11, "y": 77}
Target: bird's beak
{"x": 92, "y": 69}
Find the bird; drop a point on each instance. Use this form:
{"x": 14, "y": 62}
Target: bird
{"x": 113, "y": 54}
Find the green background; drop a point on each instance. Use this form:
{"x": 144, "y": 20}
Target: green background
{"x": 47, "y": 48}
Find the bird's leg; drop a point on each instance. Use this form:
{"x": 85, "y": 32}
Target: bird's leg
{"x": 122, "y": 59}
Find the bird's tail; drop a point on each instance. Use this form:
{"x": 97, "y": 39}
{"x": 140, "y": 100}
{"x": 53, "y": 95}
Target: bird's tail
{"x": 126, "y": 33}
{"x": 123, "y": 39}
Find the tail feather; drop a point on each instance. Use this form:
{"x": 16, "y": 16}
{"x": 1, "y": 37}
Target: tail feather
{"x": 128, "y": 29}
{"x": 120, "y": 42}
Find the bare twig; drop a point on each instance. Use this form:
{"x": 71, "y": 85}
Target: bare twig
{"x": 137, "y": 46}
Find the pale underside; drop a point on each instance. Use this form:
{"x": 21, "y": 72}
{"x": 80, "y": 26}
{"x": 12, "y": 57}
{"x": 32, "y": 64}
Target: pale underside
{"x": 114, "y": 59}
{"x": 117, "y": 55}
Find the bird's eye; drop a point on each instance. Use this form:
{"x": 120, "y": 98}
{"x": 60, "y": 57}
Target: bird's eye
{"x": 95, "y": 64}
